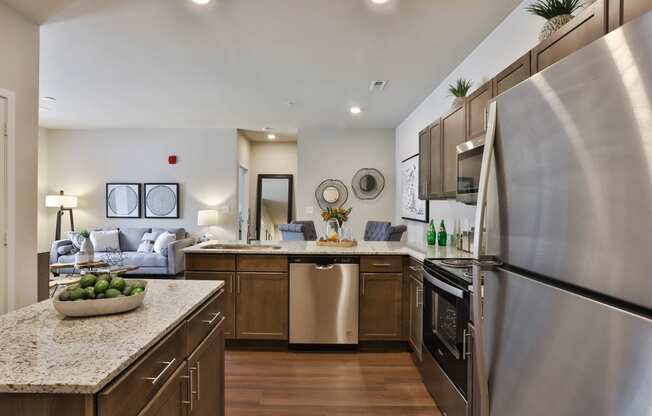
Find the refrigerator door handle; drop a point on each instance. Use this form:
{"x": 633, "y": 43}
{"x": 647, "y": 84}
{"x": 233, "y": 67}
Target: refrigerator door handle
{"x": 478, "y": 345}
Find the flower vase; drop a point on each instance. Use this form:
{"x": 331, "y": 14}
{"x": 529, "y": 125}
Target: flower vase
{"x": 86, "y": 252}
{"x": 333, "y": 230}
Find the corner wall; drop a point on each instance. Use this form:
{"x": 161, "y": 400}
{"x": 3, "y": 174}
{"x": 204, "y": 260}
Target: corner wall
{"x": 512, "y": 38}
{"x": 81, "y": 162}
{"x": 19, "y": 67}
{"x": 339, "y": 154}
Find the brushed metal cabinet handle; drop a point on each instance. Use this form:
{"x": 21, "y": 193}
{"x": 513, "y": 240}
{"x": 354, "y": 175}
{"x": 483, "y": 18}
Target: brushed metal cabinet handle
{"x": 230, "y": 283}
{"x": 212, "y": 320}
{"x": 363, "y": 285}
{"x": 237, "y": 283}
{"x": 381, "y": 264}
{"x": 198, "y": 381}
{"x": 168, "y": 364}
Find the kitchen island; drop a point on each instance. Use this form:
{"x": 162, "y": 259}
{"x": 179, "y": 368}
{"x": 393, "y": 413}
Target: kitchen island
{"x": 125, "y": 364}
{"x": 257, "y": 277}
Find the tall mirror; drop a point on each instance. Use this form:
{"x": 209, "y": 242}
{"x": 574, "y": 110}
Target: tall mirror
{"x": 273, "y": 205}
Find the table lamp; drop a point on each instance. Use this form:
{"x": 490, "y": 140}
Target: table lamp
{"x": 207, "y": 218}
{"x": 64, "y": 203}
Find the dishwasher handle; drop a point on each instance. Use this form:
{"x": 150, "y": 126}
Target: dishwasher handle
{"x": 324, "y": 266}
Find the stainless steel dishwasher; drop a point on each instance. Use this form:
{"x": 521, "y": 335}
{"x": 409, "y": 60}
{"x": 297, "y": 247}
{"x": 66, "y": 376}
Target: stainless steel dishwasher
{"x": 324, "y": 300}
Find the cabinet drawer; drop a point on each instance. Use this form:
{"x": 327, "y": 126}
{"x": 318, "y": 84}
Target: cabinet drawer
{"x": 381, "y": 264}
{"x": 262, "y": 263}
{"x": 210, "y": 262}
{"x": 414, "y": 269}
{"x": 205, "y": 319}
{"x": 173, "y": 398}
{"x": 131, "y": 391}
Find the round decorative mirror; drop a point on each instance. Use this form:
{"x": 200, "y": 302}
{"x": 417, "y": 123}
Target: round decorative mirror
{"x": 368, "y": 183}
{"x": 331, "y": 194}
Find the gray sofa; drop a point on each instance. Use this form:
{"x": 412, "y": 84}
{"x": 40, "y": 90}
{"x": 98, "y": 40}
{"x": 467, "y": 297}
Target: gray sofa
{"x": 129, "y": 238}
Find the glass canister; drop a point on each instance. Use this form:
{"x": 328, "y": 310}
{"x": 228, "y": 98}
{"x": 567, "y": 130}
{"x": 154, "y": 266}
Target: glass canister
{"x": 332, "y": 230}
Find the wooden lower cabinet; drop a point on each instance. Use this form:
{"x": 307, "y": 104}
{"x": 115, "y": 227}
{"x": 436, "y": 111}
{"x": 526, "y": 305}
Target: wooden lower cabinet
{"x": 380, "y": 306}
{"x": 206, "y": 376}
{"x": 262, "y": 306}
{"x": 229, "y": 296}
{"x": 415, "y": 325}
{"x": 173, "y": 398}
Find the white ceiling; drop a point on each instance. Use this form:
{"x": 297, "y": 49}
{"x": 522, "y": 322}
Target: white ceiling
{"x": 286, "y": 64}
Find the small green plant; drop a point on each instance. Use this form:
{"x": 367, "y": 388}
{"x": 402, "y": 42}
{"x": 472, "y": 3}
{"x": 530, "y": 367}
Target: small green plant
{"x": 553, "y": 8}
{"x": 84, "y": 233}
{"x": 460, "y": 88}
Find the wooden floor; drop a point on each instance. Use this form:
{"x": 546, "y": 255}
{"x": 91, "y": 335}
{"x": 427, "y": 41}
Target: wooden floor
{"x": 324, "y": 384}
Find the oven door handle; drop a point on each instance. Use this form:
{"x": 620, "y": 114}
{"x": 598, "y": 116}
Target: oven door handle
{"x": 450, "y": 289}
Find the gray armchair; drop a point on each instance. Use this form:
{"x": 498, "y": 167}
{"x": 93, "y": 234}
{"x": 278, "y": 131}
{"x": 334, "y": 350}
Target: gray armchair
{"x": 383, "y": 231}
{"x": 298, "y": 231}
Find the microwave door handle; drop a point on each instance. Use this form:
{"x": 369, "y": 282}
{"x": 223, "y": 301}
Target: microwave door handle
{"x": 478, "y": 345}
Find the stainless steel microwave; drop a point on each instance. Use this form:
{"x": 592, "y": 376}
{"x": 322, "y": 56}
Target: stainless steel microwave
{"x": 469, "y": 163}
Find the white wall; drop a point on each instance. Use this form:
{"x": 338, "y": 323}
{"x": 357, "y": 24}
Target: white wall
{"x": 81, "y": 162}
{"x": 511, "y": 39}
{"x": 19, "y": 65}
{"x": 45, "y": 234}
{"x": 270, "y": 158}
{"x": 339, "y": 154}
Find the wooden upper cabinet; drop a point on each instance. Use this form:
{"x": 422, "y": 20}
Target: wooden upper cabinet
{"x": 517, "y": 72}
{"x": 586, "y": 27}
{"x": 453, "y": 133}
{"x": 622, "y": 11}
{"x": 424, "y": 163}
{"x": 476, "y": 110}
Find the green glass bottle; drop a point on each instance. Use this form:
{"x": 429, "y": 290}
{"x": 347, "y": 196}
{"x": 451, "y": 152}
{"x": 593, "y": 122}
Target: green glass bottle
{"x": 442, "y": 236}
{"x": 431, "y": 236}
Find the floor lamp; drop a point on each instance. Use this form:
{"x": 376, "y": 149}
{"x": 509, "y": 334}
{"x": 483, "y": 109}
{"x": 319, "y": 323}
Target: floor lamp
{"x": 64, "y": 203}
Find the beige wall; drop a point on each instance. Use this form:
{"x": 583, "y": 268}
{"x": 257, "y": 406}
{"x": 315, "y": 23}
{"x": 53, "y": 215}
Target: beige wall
{"x": 19, "y": 66}
{"x": 45, "y": 234}
{"x": 81, "y": 162}
{"x": 271, "y": 158}
{"x": 339, "y": 154}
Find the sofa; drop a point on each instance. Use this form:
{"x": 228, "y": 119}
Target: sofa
{"x": 129, "y": 239}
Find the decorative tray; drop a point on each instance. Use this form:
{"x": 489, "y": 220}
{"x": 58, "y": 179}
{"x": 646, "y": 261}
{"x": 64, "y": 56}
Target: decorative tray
{"x": 343, "y": 243}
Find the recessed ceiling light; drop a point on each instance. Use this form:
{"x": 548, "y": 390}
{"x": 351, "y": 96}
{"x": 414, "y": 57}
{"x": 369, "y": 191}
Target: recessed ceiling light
{"x": 271, "y": 136}
{"x": 202, "y": 2}
{"x": 356, "y": 110}
{"x": 379, "y": 1}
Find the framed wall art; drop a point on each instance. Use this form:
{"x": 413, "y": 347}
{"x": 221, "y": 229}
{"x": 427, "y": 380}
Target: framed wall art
{"x": 161, "y": 200}
{"x": 123, "y": 200}
{"x": 412, "y": 208}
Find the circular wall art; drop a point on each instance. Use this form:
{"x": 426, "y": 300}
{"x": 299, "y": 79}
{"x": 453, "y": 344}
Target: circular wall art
{"x": 368, "y": 183}
{"x": 161, "y": 200}
{"x": 123, "y": 200}
{"x": 331, "y": 193}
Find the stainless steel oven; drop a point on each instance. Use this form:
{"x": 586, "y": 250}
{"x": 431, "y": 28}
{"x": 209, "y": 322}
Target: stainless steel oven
{"x": 469, "y": 162}
{"x": 446, "y": 325}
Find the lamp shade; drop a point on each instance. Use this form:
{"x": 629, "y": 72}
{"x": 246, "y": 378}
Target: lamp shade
{"x": 57, "y": 201}
{"x": 207, "y": 217}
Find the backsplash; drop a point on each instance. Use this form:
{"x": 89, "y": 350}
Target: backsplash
{"x": 448, "y": 210}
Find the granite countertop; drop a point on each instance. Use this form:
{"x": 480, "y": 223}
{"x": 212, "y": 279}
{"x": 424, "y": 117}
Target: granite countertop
{"x": 42, "y": 351}
{"x": 311, "y": 248}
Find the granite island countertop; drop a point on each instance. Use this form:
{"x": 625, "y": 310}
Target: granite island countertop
{"x": 311, "y": 248}
{"x": 42, "y": 351}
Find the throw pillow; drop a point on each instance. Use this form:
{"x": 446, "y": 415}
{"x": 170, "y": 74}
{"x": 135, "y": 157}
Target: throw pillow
{"x": 162, "y": 241}
{"x": 65, "y": 250}
{"x": 105, "y": 240}
{"x": 76, "y": 239}
{"x": 147, "y": 243}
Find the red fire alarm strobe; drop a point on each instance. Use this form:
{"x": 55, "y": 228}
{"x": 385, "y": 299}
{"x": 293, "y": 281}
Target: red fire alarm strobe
{"x": 172, "y": 159}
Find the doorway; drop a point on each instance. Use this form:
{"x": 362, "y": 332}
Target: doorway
{"x": 243, "y": 204}
{"x": 4, "y": 138}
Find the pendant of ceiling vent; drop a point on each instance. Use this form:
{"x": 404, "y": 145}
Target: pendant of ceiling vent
{"x": 378, "y": 86}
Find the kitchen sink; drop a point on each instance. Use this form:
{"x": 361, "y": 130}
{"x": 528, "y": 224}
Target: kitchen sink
{"x": 240, "y": 247}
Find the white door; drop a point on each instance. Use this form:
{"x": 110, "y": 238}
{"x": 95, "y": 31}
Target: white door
{"x": 4, "y": 118}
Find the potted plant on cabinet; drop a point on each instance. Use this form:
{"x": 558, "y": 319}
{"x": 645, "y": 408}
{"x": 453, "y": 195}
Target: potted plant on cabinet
{"x": 556, "y": 12}
{"x": 459, "y": 90}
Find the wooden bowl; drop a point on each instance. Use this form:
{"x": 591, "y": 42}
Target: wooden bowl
{"x": 97, "y": 307}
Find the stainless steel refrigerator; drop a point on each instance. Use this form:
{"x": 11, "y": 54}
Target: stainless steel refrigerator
{"x": 567, "y": 179}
